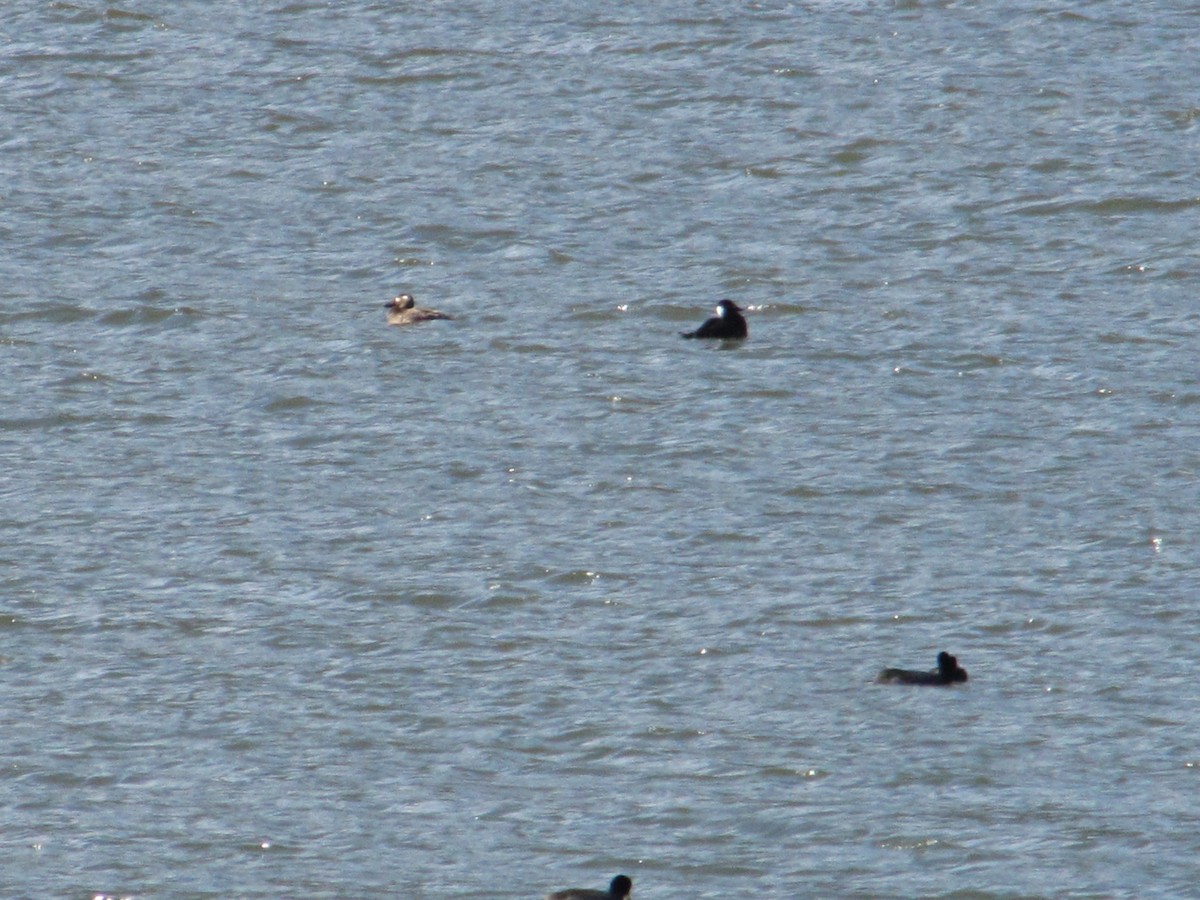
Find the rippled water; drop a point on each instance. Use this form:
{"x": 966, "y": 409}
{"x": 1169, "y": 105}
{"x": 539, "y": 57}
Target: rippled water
{"x": 297, "y": 604}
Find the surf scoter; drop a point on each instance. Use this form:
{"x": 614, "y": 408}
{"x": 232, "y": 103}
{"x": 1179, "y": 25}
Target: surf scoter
{"x": 727, "y": 324}
{"x": 621, "y": 888}
{"x": 947, "y": 672}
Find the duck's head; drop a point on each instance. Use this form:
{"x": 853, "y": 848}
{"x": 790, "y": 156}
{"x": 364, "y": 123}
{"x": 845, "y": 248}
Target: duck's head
{"x": 949, "y": 669}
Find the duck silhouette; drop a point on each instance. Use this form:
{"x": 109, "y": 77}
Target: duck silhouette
{"x": 404, "y": 311}
{"x": 727, "y": 324}
{"x": 948, "y": 672}
{"x": 621, "y": 888}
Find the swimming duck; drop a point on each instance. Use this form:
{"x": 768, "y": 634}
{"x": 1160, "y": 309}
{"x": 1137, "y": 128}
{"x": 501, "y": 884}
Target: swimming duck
{"x": 621, "y": 888}
{"x": 727, "y": 324}
{"x": 404, "y": 311}
{"x": 947, "y": 672}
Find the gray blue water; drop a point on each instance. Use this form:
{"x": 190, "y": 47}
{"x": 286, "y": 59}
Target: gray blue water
{"x": 295, "y": 604}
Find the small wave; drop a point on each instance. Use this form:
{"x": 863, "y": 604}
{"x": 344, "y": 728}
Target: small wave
{"x": 137, "y": 315}
{"x": 1109, "y": 206}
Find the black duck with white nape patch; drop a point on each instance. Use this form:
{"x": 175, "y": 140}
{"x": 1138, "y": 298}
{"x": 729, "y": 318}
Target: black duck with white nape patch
{"x": 728, "y": 324}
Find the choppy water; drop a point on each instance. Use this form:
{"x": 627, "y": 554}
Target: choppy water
{"x": 295, "y": 604}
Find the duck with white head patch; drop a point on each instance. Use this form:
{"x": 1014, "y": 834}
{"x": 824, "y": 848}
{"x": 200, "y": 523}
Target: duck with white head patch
{"x": 728, "y": 324}
{"x": 404, "y": 311}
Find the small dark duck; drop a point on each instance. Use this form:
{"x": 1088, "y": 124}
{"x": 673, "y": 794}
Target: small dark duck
{"x": 404, "y": 311}
{"x": 621, "y": 888}
{"x": 948, "y": 672}
{"x": 727, "y": 324}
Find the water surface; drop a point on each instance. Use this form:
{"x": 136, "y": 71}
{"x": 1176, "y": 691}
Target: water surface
{"x": 297, "y": 604}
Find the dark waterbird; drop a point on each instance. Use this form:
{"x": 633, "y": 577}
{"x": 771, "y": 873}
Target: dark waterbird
{"x": 621, "y": 888}
{"x": 948, "y": 672}
{"x": 727, "y": 324}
